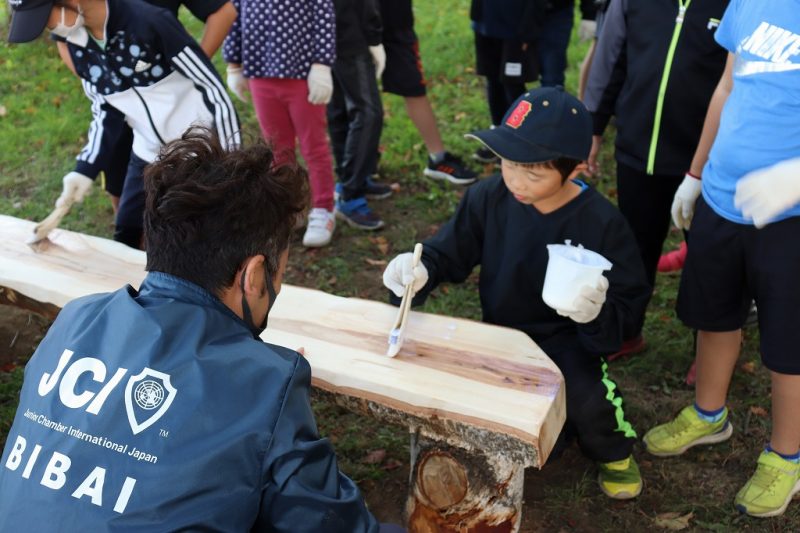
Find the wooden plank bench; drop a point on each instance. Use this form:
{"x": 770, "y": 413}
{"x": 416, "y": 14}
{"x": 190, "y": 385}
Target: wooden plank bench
{"x": 481, "y": 402}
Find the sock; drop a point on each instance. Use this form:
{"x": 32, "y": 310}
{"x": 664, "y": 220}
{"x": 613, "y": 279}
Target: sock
{"x": 794, "y": 458}
{"x": 710, "y": 416}
{"x": 438, "y": 157}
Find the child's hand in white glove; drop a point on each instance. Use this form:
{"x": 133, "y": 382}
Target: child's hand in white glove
{"x": 75, "y": 187}
{"x": 237, "y": 83}
{"x": 766, "y": 193}
{"x": 320, "y": 84}
{"x": 588, "y": 302}
{"x": 400, "y": 272}
{"x": 378, "y": 54}
{"x": 684, "y": 201}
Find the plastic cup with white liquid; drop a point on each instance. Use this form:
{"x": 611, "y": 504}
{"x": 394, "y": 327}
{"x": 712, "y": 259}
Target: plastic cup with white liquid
{"x": 569, "y": 269}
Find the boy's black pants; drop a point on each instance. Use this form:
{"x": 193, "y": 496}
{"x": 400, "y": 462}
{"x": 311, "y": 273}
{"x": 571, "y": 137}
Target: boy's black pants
{"x": 595, "y": 413}
{"x": 645, "y": 202}
{"x": 355, "y": 121}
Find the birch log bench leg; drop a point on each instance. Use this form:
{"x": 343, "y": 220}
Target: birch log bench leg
{"x": 481, "y": 402}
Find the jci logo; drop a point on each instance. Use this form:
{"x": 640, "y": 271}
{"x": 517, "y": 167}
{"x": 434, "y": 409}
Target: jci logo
{"x": 148, "y": 395}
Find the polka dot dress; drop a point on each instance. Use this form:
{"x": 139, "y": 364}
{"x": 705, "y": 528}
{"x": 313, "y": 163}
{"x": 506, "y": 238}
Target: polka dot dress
{"x": 281, "y": 38}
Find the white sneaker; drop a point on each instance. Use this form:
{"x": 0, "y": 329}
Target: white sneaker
{"x": 319, "y": 231}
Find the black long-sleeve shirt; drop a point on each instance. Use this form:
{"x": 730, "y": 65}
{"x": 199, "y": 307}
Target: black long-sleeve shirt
{"x": 509, "y": 241}
{"x": 358, "y": 26}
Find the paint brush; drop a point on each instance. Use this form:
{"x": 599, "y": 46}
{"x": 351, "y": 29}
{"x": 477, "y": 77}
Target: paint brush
{"x": 43, "y": 228}
{"x": 399, "y": 327}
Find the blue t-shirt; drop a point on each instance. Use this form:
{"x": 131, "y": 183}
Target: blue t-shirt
{"x": 760, "y": 123}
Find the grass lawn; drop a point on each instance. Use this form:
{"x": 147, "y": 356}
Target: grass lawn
{"x": 43, "y": 122}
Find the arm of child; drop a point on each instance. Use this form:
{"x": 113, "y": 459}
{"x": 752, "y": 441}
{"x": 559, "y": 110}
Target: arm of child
{"x": 606, "y": 75}
{"x": 455, "y": 250}
{"x": 689, "y": 190}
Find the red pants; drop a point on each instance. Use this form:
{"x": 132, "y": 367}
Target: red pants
{"x": 284, "y": 114}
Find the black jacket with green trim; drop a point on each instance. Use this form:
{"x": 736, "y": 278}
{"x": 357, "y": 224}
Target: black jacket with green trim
{"x": 632, "y": 61}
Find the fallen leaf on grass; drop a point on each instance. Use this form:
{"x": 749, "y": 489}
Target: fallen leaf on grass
{"x": 374, "y": 457}
{"x": 749, "y": 367}
{"x": 673, "y": 521}
{"x": 759, "y": 411}
{"x": 381, "y": 243}
{"x": 376, "y": 262}
{"x": 392, "y": 464}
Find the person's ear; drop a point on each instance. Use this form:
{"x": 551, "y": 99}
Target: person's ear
{"x": 253, "y": 272}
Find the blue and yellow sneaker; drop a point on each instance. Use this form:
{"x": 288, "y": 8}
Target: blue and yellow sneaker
{"x": 620, "y": 480}
{"x": 685, "y": 431}
{"x": 773, "y": 485}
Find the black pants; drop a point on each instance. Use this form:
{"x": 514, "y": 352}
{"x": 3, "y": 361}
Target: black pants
{"x": 502, "y": 89}
{"x": 130, "y": 216}
{"x": 594, "y": 406}
{"x": 355, "y": 120}
{"x": 645, "y": 202}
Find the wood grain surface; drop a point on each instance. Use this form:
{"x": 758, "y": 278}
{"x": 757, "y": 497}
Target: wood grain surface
{"x": 452, "y": 369}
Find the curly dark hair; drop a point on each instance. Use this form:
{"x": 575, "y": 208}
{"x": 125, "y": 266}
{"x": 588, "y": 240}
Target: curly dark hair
{"x": 208, "y": 209}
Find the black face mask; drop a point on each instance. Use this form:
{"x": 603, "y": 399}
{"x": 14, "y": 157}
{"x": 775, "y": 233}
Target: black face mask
{"x": 248, "y": 316}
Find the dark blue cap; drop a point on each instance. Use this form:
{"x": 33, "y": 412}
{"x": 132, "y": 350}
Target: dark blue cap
{"x": 28, "y": 19}
{"x": 542, "y": 125}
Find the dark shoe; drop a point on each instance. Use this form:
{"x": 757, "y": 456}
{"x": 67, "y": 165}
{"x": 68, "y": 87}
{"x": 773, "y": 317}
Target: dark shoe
{"x": 451, "y": 169}
{"x": 629, "y": 347}
{"x": 484, "y": 155}
{"x": 375, "y": 191}
{"x": 357, "y": 213}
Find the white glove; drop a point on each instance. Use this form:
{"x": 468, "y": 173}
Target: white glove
{"x": 766, "y": 193}
{"x": 237, "y": 83}
{"x": 587, "y": 30}
{"x": 400, "y": 272}
{"x": 588, "y": 302}
{"x": 76, "y": 186}
{"x": 684, "y": 200}
{"x": 320, "y": 84}
{"x": 378, "y": 58}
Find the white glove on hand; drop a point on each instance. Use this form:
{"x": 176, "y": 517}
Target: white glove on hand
{"x": 400, "y": 272}
{"x": 320, "y": 84}
{"x": 378, "y": 58}
{"x": 766, "y": 193}
{"x": 587, "y": 30}
{"x": 237, "y": 83}
{"x": 683, "y": 203}
{"x": 76, "y": 186}
{"x": 588, "y": 303}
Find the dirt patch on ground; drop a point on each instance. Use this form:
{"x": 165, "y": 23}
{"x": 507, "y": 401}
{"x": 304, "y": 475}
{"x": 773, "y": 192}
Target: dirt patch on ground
{"x": 20, "y": 334}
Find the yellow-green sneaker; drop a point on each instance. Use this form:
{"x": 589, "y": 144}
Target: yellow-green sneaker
{"x": 774, "y": 484}
{"x": 685, "y": 431}
{"x": 620, "y": 480}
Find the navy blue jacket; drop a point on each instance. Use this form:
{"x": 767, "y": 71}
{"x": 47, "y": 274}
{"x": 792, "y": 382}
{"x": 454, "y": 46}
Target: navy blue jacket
{"x": 157, "y": 410}
{"x": 152, "y": 74}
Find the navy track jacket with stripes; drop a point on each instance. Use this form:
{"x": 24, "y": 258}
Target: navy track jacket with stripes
{"x": 153, "y": 75}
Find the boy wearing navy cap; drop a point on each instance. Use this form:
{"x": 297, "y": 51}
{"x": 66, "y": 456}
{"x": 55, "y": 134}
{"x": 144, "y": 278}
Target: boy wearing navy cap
{"x": 504, "y": 224}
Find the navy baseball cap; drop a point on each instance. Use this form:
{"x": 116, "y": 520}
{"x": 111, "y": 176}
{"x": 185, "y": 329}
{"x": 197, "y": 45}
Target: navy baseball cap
{"x": 542, "y": 125}
{"x": 28, "y": 19}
